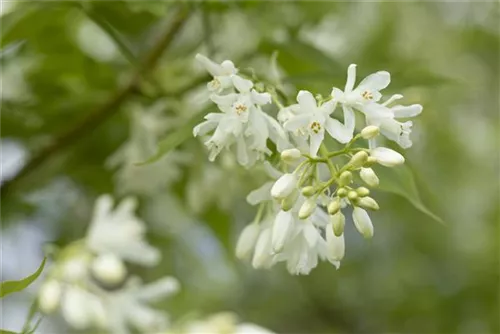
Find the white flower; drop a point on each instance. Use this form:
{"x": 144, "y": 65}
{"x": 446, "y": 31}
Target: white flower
{"x": 312, "y": 120}
{"x": 80, "y": 308}
{"x": 223, "y": 323}
{"x": 246, "y": 241}
{"x": 362, "y": 222}
{"x": 385, "y": 118}
{"x": 335, "y": 245}
{"x": 120, "y": 232}
{"x": 387, "y": 157}
{"x": 282, "y": 227}
{"x": 221, "y": 73}
{"x": 243, "y": 122}
{"x": 128, "y": 307}
{"x": 263, "y": 256}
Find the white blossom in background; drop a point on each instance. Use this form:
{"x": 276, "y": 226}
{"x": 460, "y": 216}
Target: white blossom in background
{"x": 221, "y": 73}
{"x": 147, "y": 125}
{"x": 220, "y": 323}
{"x": 89, "y": 280}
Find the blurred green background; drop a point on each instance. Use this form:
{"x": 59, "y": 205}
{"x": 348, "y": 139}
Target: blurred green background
{"x": 61, "y": 61}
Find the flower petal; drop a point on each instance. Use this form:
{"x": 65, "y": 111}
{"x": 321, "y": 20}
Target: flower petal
{"x": 242, "y": 85}
{"x": 328, "y": 107}
{"x": 213, "y": 68}
{"x": 224, "y": 100}
{"x": 306, "y": 101}
{"x": 315, "y": 142}
{"x": 376, "y": 81}
{"x": 260, "y": 194}
{"x": 297, "y": 122}
{"x": 351, "y": 78}
{"x": 260, "y": 98}
{"x": 338, "y": 131}
{"x": 407, "y": 111}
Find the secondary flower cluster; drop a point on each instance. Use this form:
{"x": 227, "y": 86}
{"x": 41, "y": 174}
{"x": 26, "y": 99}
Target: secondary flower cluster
{"x": 89, "y": 280}
{"x": 300, "y": 218}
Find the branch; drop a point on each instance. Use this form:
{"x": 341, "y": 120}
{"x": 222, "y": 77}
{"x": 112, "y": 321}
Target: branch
{"x": 106, "y": 110}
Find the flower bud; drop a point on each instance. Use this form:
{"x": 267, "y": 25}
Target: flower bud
{"x": 370, "y": 162}
{"x": 247, "y": 240}
{"x": 352, "y": 195}
{"x": 281, "y": 229}
{"x": 358, "y": 159}
{"x": 307, "y": 208}
{"x": 49, "y": 296}
{"x": 345, "y": 178}
{"x": 288, "y": 202}
{"x": 362, "y": 222}
{"x": 335, "y": 245}
{"x": 308, "y": 191}
{"x": 262, "y": 256}
{"x": 369, "y": 177}
{"x": 342, "y": 192}
{"x": 369, "y": 132}
{"x": 368, "y": 203}
{"x": 284, "y": 186}
{"x": 387, "y": 157}
{"x": 108, "y": 269}
{"x": 362, "y": 191}
{"x": 338, "y": 223}
{"x": 290, "y": 155}
{"x": 334, "y": 206}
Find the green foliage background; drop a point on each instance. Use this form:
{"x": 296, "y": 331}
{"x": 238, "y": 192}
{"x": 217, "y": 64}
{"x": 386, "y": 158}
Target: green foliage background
{"x": 415, "y": 276}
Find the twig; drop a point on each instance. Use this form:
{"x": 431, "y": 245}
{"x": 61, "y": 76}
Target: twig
{"x": 103, "y": 112}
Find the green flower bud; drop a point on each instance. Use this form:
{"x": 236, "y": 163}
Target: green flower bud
{"x": 368, "y": 203}
{"x": 307, "y": 208}
{"x": 352, "y": 195}
{"x": 345, "y": 178}
{"x": 362, "y": 191}
{"x": 342, "y": 192}
{"x": 288, "y": 202}
{"x": 308, "y": 191}
{"x": 358, "y": 159}
{"x": 369, "y": 132}
{"x": 290, "y": 155}
{"x": 338, "y": 223}
{"x": 334, "y": 206}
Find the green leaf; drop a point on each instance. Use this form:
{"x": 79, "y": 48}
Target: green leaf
{"x": 173, "y": 140}
{"x": 401, "y": 181}
{"x": 9, "y": 287}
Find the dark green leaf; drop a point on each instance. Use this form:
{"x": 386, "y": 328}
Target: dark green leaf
{"x": 400, "y": 181}
{"x": 9, "y": 287}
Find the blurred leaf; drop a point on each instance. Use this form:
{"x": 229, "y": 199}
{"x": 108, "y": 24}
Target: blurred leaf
{"x": 174, "y": 139}
{"x": 400, "y": 181}
{"x": 9, "y": 287}
{"x": 3, "y": 331}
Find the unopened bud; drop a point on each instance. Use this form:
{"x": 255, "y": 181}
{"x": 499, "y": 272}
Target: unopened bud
{"x": 284, "y": 186}
{"x": 368, "y": 203}
{"x": 387, "y": 157}
{"x": 334, "y": 206}
{"x": 352, "y": 195}
{"x": 288, "y": 202}
{"x": 49, "y": 296}
{"x": 369, "y": 132}
{"x": 108, "y": 269}
{"x": 362, "y": 191}
{"x": 307, "y": 208}
{"x": 362, "y": 222}
{"x": 369, "y": 177}
{"x": 338, "y": 223}
{"x": 290, "y": 155}
{"x": 370, "y": 162}
{"x": 358, "y": 159}
{"x": 345, "y": 178}
{"x": 342, "y": 192}
{"x": 308, "y": 191}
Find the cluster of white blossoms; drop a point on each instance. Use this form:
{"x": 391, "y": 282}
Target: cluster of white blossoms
{"x": 89, "y": 281}
{"x": 301, "y": 218}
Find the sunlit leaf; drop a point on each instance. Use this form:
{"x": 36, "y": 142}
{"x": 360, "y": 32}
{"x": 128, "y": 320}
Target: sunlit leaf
{"x": 400, "y": 181}
{"x": 9, "y": 287}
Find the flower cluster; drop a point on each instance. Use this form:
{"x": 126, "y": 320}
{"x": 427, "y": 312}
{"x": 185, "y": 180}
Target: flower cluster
{"x": 301, "y": 212}
{"x": 89, "y": 280}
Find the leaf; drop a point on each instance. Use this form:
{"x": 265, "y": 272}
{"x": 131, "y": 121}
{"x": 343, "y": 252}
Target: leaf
{"x": 173, "y": 140}
{"x": 9, "y": 287}
{"x": 401, "y": 181}
{"x": 3, "y": 331}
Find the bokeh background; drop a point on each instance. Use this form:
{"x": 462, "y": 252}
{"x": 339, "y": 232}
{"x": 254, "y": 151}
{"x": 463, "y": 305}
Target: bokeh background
{"x": 63, "y": 59}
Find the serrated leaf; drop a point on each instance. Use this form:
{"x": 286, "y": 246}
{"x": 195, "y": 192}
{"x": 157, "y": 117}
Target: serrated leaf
{"x": 400, "y": 180}
{"x": 9, "y": 287}
{"x": 174, "y": 139}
